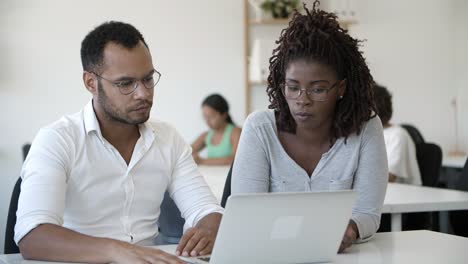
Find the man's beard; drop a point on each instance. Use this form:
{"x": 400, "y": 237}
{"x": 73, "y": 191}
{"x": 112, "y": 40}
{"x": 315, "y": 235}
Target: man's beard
{"x": 114, "y": 114}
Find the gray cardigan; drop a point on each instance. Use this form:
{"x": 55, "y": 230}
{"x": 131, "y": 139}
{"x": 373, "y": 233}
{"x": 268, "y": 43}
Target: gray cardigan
{"x": 262, "y": 165}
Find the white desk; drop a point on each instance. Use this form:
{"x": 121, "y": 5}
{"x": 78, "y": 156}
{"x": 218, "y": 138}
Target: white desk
{"x": 385, "y": 248}
{"x": 400, "y": 198}
{"x": 456, "y": 162}
{"x": 404, "y": 198}
{"x": 215, "y": 177}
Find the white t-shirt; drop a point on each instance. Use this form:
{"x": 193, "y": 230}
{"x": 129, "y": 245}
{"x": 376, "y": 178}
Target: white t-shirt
{"x": 73, "y": 177}
{"x": 401, "y": 153}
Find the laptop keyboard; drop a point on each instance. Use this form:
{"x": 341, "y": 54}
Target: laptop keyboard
{"x": 207, "y": 259}
{"x": 204, "y": 259}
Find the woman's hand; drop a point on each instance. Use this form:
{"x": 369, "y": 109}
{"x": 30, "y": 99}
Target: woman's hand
{"x": 350, "y": 236}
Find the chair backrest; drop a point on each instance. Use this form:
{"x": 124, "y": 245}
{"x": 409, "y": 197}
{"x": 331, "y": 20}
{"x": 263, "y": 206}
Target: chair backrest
{"x": 227, "y": 188}
{"x": 170, "y": 222}
{"x": 414, "y": 133}
{"x": 458, "y": 218}
{"x": 429, "y": 157}
{"x": 462, "y": 182}
{"x": 10, "y": 245}
{"x": 25, "y": 149}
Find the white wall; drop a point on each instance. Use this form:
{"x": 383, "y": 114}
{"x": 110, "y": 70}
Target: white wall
{"x": 196, "y": 45}
{"x": 410, "y": 49}
{"x": 461, "y": 69}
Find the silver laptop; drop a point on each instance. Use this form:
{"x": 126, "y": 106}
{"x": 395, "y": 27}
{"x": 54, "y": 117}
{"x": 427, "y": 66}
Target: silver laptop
{"x": 281, "y": 228}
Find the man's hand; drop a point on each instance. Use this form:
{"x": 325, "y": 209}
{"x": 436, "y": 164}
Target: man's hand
{"x": 127, "y": 253}
{"x": 350, "y": 235}
{"x": 196, "y": 158}
{"x": 199, "y": 240}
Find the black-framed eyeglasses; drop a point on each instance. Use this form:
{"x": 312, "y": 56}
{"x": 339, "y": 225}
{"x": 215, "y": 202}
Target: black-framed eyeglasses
{"x": 317, "y": 92}
{"x": 128, "y": 85}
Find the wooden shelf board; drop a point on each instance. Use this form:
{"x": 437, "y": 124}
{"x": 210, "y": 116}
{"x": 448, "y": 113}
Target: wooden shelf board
{"x": 271, "y": 21}
{"x": 256, "y": 83}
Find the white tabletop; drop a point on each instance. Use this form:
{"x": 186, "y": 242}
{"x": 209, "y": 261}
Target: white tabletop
{"x": 215, "y": 177}
{"x": 405, "y": 198}
{"x": 408, "y": 247}
{"x": 456, "y": 162}
{"x": 397, "y": 247}
{"x": 400, "y": 198}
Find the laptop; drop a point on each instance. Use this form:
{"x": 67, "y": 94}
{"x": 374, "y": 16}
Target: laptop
{"x": 281, "y": 228}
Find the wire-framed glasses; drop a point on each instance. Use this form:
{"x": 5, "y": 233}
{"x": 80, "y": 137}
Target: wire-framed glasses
{"x": 318, "y": 91}
{"x": 129, "y": 85}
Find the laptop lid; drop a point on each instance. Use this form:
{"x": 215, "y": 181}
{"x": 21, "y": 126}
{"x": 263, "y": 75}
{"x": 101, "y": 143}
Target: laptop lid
{"x": 282, "y": 227}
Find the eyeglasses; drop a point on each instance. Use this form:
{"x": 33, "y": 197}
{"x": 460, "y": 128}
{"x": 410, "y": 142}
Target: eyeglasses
{"x": 128, "y": 86}
{"x": 317, "y": 92}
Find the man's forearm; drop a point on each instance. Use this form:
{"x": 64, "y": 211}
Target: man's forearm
{"x": 55, "y": 243}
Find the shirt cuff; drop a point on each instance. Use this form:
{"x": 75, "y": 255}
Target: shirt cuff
{"x": 26, "y": 225}
{"x": 365, "y": 227}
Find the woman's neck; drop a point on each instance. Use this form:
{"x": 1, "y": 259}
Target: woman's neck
{"x": 221, "y": 128}
{"x": 387, "y": 125}
{"x": 314, "y": 136}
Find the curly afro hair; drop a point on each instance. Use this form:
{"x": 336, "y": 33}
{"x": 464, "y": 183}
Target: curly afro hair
{"x": 317, "y": 36}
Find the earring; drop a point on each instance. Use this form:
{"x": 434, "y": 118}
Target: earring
{"x": 341, "y": 97}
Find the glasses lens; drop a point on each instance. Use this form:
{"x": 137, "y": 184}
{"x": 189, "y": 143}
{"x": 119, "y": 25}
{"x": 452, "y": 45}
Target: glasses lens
{"x": 152, "y": 80}
{"x": 156, "y": 77}
{"x": 127, "y": 87}
{"x": 291, "y": 92}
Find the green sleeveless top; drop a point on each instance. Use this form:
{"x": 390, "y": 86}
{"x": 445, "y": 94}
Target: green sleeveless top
{"x": 224, "y": 148}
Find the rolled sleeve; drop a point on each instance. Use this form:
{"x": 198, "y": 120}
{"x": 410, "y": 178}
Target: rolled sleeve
{"x": 43, "y": 187}
{"x": 188, "y": 188}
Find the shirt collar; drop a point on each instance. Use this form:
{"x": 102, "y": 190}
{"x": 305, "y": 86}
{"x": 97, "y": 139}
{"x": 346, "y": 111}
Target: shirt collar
{"x": 91, "y": 123}
{"x": 90, "y": 120}
{"x": 147, "y": 132}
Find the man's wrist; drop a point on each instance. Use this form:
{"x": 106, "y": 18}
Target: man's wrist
{"x": 112, "y": 248}
{"x": 210, "y": 221}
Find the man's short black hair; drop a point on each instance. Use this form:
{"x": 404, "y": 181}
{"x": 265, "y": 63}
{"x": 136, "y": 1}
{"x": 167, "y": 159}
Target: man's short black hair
{"x": 92, "y": 46}
{"x": 383, "y": 102}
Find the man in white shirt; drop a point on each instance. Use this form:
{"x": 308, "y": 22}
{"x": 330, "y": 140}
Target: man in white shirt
{"x": 401, "y": 151}
{"x": 93, "y": 181}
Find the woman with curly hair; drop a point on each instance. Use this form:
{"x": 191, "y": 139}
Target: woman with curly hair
{"x": 322, "y": 132}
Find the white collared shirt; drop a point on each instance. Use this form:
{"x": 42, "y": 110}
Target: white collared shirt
{"x": 73, "y": 177}
{"x": 401, "y": 153}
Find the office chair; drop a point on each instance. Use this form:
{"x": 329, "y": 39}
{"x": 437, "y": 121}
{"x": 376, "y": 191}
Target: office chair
{"x": 414, "y": 133}
{"x": 458, "y": 219}
{"x": 227, "y": 188}
{"x": 170, "y": 222}
{"x": 429, "y": 158}
{"x": 25, "y": 150}
{"x": 10, "y": 246}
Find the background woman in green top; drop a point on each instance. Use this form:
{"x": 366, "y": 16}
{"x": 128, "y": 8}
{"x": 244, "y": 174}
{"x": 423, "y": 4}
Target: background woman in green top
{"x": 222, "y": 138}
